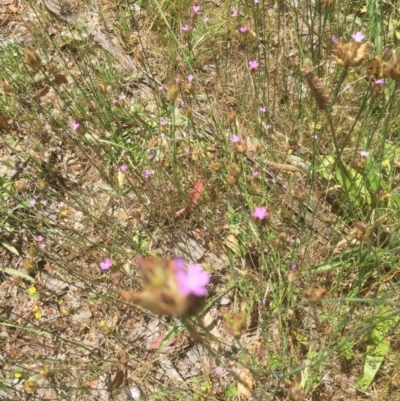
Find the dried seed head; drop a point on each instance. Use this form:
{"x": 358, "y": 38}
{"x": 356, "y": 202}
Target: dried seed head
{"x": 139, "y": 57}
{"x": 314, "y": 293}
{"x": 317, "y": 87}
{"x": 30, "y": 385}
{"x": 235, "y": 169}
{"x": 240, "y": 147}
{"x": 394, "y": 65}
{"x": 300, "y": 194}
{"x": 351, "y": 54}
{"x": 296, "y": 393}
{"x": 172, "y": 92}
{"x": 235, "y": 323}
{"x": 102, "y": 87}
{"x": 29, "y": 265}
{"x": 136, "y": 214}
{"x": 230, "y": 180}
{"x": 20, "y": 186}
{"x": 43, "y": 185}
{"x": 188, "y": 88}
{"x": 32, "y": 58}
{"x": 231, "y": 117}
{"x": 362, "y": 232}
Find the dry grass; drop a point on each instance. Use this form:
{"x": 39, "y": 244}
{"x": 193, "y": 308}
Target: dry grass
{"x": 303, "y": 291}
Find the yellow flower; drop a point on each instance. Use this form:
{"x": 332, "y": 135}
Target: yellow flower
{"x": 32, "y": 290}
{"x": 17, "y": 375}
{"x": 38, "y": 314}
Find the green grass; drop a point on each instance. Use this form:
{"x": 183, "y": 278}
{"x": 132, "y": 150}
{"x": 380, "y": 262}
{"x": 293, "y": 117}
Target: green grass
{"x": 313, "y": 293}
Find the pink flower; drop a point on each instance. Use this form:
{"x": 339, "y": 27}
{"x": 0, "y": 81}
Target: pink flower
{"x": 380, "y": 81}
{"x": 363, "y": 153}
{"x": 160, "y": 88}
{"x": 234, "y": 138}
{"x": 196, "y": 9}
{"x": 162, "y": 122}
{"x": 193, "y": 280}
{"x": 358, "y": 37}
{"x": 39, "y": 238}
{"x": 147, "y": 173}
{"x": 185, "y": 28}
{"x": 105, "y": 264}
{"x": 206, "y": 19}
{"x": 32, "y": 202}
{"x": 190, "y": 78}
{"x": 243, "y": 29}
{"x": 42, "y": 245}
{"x": 135, "y": 393}
{"x": 234, "y": 13}
{"x": 219, "y": 370}
{"x": 255, "y": 173}
{"x": 334, "y": 39}
{"x": 256, "y": 1}
{"x": 75, "y": 125}
{"x": 128, "y": 141}
{"x": 262, "y": 109}
{"x": 123, "y": 168}
{"x": 253, "y": 64}
{"x": 260, "y": 213}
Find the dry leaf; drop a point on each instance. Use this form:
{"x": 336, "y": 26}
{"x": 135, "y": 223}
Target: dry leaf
{"x": 196, "y": 192}
{"x": 13, "y": 9}
{"x": 233, "y": 244}
{"x": 246, "y": 384}
{"x": 121, "y": 178}
{"x": 158, "y": 340}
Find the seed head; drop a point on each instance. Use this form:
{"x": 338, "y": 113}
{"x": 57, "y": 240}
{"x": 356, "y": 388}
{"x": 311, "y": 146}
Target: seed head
{"x": 32, "y": 58}
{"x": 317, "y": 87}
{"x": 351, "y": 54}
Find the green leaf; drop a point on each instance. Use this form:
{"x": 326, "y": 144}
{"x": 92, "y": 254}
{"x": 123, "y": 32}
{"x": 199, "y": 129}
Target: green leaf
{"x": 13, "y": 272}
{"x": 376, "y": 350}
{"x": 10, "y": 248}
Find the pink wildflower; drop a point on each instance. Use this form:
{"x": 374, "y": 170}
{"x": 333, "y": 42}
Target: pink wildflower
{"x": 206, "y": 19}
{"x": 380, "y": 81}
{"x": 219, "y": 370}
{"x": 162, "y": 122}
{"x": 334, "y": 39}
{"x": 105, "y": 264}
{"x": 243, "y": 29}
{"x": 234, "y": 138}
{"x": 42, "y": 245}
{"x": 75, "y": 126}
{"x": 32, "y": 202}
{"x": 253, "y": 64}
{"x": 39, "y": 238}
{"x": 358, "y": 37}
{"x": 193, "y": 280}
{"x": 190, "y": 78}
{"x": 255, "y": 173}
{"x": 147, "y": 173}
{"x": 196, "y": 9}
{"x": 363, "y": 153}
{"x": 185, "y": 28}
{"x": 123, "y": 168}
{"x": 262, "y": 109}
{"x": 260, "y": 213}
{"x": 234, "y": 13}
